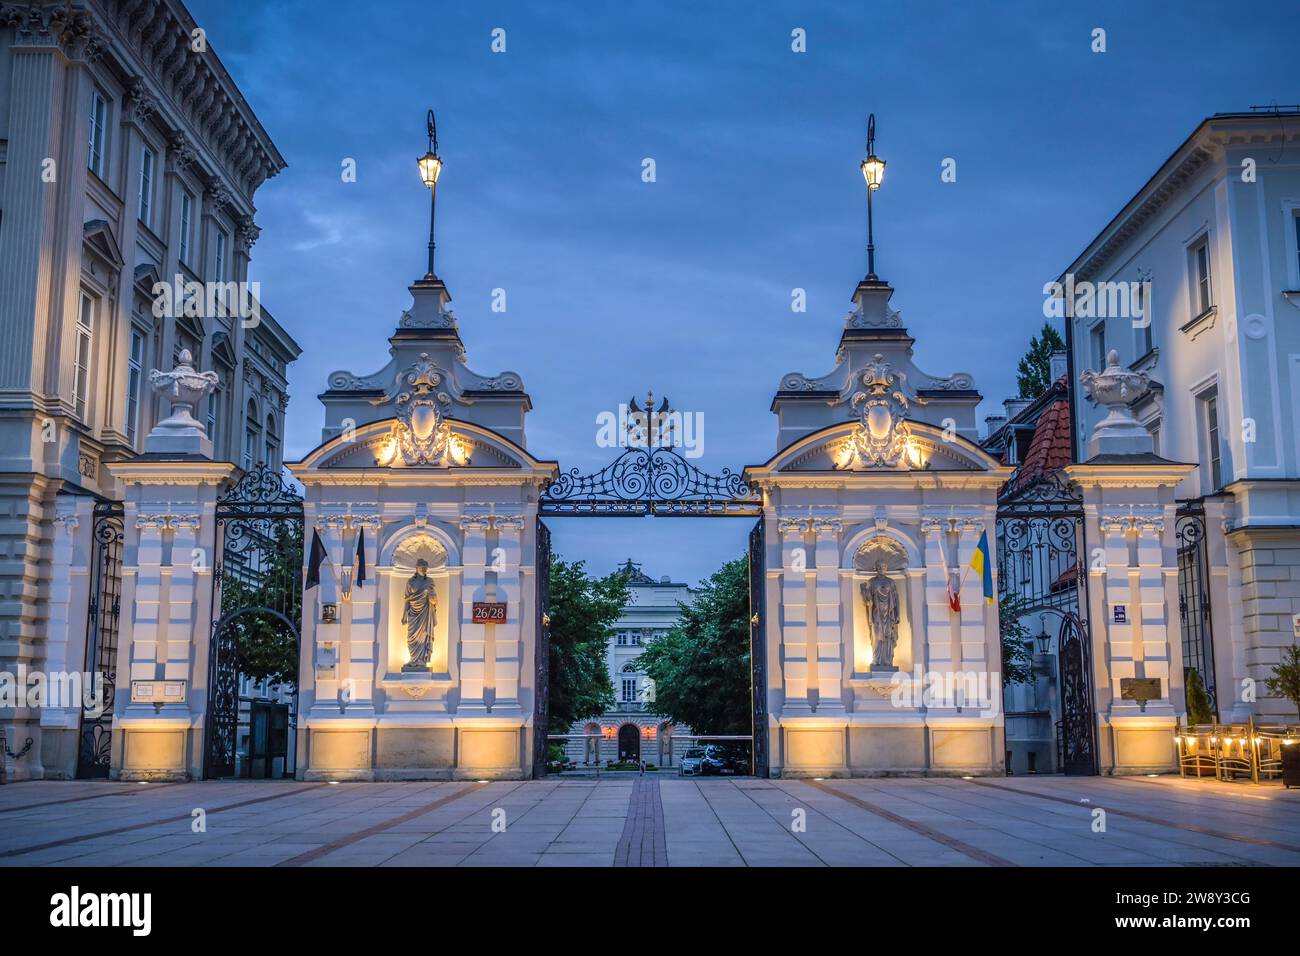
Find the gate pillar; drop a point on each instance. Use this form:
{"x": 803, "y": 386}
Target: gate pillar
{"x": 169, "y": 504}
{"x": 162, "y": 663}
{"x": 1130, "y": 515}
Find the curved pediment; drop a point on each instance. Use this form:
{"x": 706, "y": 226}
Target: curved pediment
{"x": 371, "y": 446}
{"x": 927, "y": 449}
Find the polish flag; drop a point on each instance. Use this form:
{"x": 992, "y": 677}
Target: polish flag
{"x": 954, "y": 599}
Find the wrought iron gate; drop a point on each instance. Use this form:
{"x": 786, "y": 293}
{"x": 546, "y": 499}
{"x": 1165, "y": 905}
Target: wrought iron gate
{"x": 758, "y": 648}
{"x": 1194, "y": 600}
{"x": 1042, "y": 567}
{"x": 256, "y": 607}
{"x": 104, "y": 612}
{"x": 542, "y": 667}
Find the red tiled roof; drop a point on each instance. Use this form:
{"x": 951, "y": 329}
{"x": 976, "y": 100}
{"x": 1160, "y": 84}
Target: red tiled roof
{"x": 1049, "y": 449}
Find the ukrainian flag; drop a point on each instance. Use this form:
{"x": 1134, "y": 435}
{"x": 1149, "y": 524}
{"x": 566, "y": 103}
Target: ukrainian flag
{"x": 982, "y": 564}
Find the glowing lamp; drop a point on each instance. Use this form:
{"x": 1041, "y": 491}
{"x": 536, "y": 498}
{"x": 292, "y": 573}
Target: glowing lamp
{"x": 873, "y": 171}
{"x": 430, "y": 168}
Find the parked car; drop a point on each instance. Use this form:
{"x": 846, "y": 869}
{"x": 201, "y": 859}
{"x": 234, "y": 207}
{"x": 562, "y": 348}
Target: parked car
{"x": 726, "y": 759}
{"x": 691, "y": 764}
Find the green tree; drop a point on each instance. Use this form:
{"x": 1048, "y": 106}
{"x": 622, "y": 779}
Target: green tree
{"x": 1017, "y": 659}
{"x": 583, "y": 611}
{"x": 701, "y": 666}
{"x": 1034, "y": 373}
{"x": 1285, "y": 681}
{"x": 266, "y": 575}
{"x": 1199, "y": 709}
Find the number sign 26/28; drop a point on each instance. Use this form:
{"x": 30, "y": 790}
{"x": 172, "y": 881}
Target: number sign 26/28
{"x": 489, "y": 612}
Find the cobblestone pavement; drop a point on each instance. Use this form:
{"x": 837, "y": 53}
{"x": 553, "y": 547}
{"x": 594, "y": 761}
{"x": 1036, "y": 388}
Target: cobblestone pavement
{"x": 653, "y": 821}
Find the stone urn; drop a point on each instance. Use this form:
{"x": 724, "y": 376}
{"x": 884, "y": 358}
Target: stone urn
{"x": 1119, "y": 433}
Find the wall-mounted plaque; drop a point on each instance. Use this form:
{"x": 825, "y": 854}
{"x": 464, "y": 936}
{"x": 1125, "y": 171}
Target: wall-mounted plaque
{"x": 1140, "y": 689}
{"x": 489, "y": 612}
{"x": 1120, "y": 614}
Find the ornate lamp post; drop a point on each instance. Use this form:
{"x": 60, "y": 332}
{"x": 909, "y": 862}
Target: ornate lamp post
{"x": 873, "y": 171}
{"x": 430, "y": 170}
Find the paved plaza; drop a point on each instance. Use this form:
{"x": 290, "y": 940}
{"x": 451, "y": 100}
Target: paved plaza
{"x": 654, "y": 821}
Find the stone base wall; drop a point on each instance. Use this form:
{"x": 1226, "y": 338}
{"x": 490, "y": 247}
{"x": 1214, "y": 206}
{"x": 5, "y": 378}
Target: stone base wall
{"x": 446, "y": 752}
{"x": 1270, "y": 597}
{"x": 940, "y": 748}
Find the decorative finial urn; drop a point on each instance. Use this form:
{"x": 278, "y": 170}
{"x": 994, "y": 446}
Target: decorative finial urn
{"x": 1119, "y": 433}
{"x": 181, "y": 433}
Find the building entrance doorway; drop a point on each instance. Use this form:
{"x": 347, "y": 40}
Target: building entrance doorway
{"x": 629, "y": 742}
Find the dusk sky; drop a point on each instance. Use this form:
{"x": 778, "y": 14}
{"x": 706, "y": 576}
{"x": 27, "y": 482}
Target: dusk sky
{"x": 614, "y": 285}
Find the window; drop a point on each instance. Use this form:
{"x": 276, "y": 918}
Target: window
{"x": 250, "y": 437}
{"x": 1213, "y": 448}
{"x": 212, "y": 415}
{"x": 636, "y": 638}
{"x": 1146, "y": 339}
{"x": 98, "y": 132}
{"x": 1295, "y": 221}
{"x": 146, "y": 186}
{"x": 1097, "y": 338}
{"x": 220, "y": 269}
{"x": 272, "y": 446}
{"x": 134, "y": 380}
{"x": 622, "y": 638}
{"x": 187, "y": 212}
{"x": 85, "y": 339}
{"x": 1202, "y": 297}
{"x": 629, "y": 689}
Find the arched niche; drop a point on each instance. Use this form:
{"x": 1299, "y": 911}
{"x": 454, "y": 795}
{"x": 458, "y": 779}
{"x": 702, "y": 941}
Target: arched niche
{"x": 399, "y": 559}
{"x": 893, "y": 550}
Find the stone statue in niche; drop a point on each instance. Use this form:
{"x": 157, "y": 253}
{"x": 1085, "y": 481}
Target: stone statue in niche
{"x": 420, "y": 615}
{"x": 880, "y": 596}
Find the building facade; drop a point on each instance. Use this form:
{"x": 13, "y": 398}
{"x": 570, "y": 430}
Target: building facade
{"x": 1206, "y": 257}
{"x": 630, "y": 730}
{"x": 128, "y": 164}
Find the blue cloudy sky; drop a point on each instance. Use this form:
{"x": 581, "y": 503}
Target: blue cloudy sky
{"x": 683, "y": 285}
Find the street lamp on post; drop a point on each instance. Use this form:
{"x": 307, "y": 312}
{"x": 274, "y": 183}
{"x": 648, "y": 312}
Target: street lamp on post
{"x": 430, "y": 170}
{"x": 873, "y": 171}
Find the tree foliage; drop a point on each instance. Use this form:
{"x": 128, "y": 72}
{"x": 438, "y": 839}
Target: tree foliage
{"x": 266, "y": 576}
{"x": 1285, "y": 681}
{"x": 701, "y": 667}
{"x": 583, "y": 610}
{"x": 1199, "y": 707}
{"x": 1034, "y": 373}
{"x": 1017, "y": 658}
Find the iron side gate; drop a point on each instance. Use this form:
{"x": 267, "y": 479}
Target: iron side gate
{"x": 102, "y": 619}
{"x": 256, "y": 607}
{"x": 542, "y": 666}
{"x": 1042, "y": 566}
{"x": 758, "y": 649}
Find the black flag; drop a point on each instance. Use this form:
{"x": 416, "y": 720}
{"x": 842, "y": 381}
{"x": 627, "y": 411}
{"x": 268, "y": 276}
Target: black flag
{"x": 314, "y": 562}
{"x": 361, "y": 557}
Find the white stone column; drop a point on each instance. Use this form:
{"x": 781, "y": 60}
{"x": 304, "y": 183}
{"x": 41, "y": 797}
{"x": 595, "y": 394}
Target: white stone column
{"x": 973, "y": 603}
{"x": 940, "y": 642}
{"x": 507, "y": 641}
{"x": 795, "y": 658}
{"x": 829, "y": 629}
{"x": 363, "y": 647}
{"x": 65, "y": 646}
{"x": 473, "y": 637}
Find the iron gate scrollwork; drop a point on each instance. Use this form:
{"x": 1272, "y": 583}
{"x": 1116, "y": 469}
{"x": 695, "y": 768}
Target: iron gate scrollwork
{"x": 256, "y": 610}
{"x": 102, "y": 621}
{"x": 1042, "y": 569}
{"x": 542, "y": 667}
{"x": 654, "y": 480}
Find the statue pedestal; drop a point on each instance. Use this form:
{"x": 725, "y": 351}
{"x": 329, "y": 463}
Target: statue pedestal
{"x": 882, "y": 669}
{"x": 416, "y": 669}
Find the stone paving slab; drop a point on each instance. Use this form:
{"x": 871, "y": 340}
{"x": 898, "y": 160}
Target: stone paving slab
{"x": 655, "y": 820}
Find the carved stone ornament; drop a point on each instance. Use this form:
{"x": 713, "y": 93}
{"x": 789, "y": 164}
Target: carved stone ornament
{"x": 421, "y": 435}
{"x": 1119, "y": 433}
{"x": 881, "y": 439}
{"x": 181, "y": 432}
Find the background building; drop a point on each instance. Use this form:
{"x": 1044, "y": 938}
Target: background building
{"x": 630, "y": 730}
{"x": 128, "y": 157}
{"x": 1216, "y": 234}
